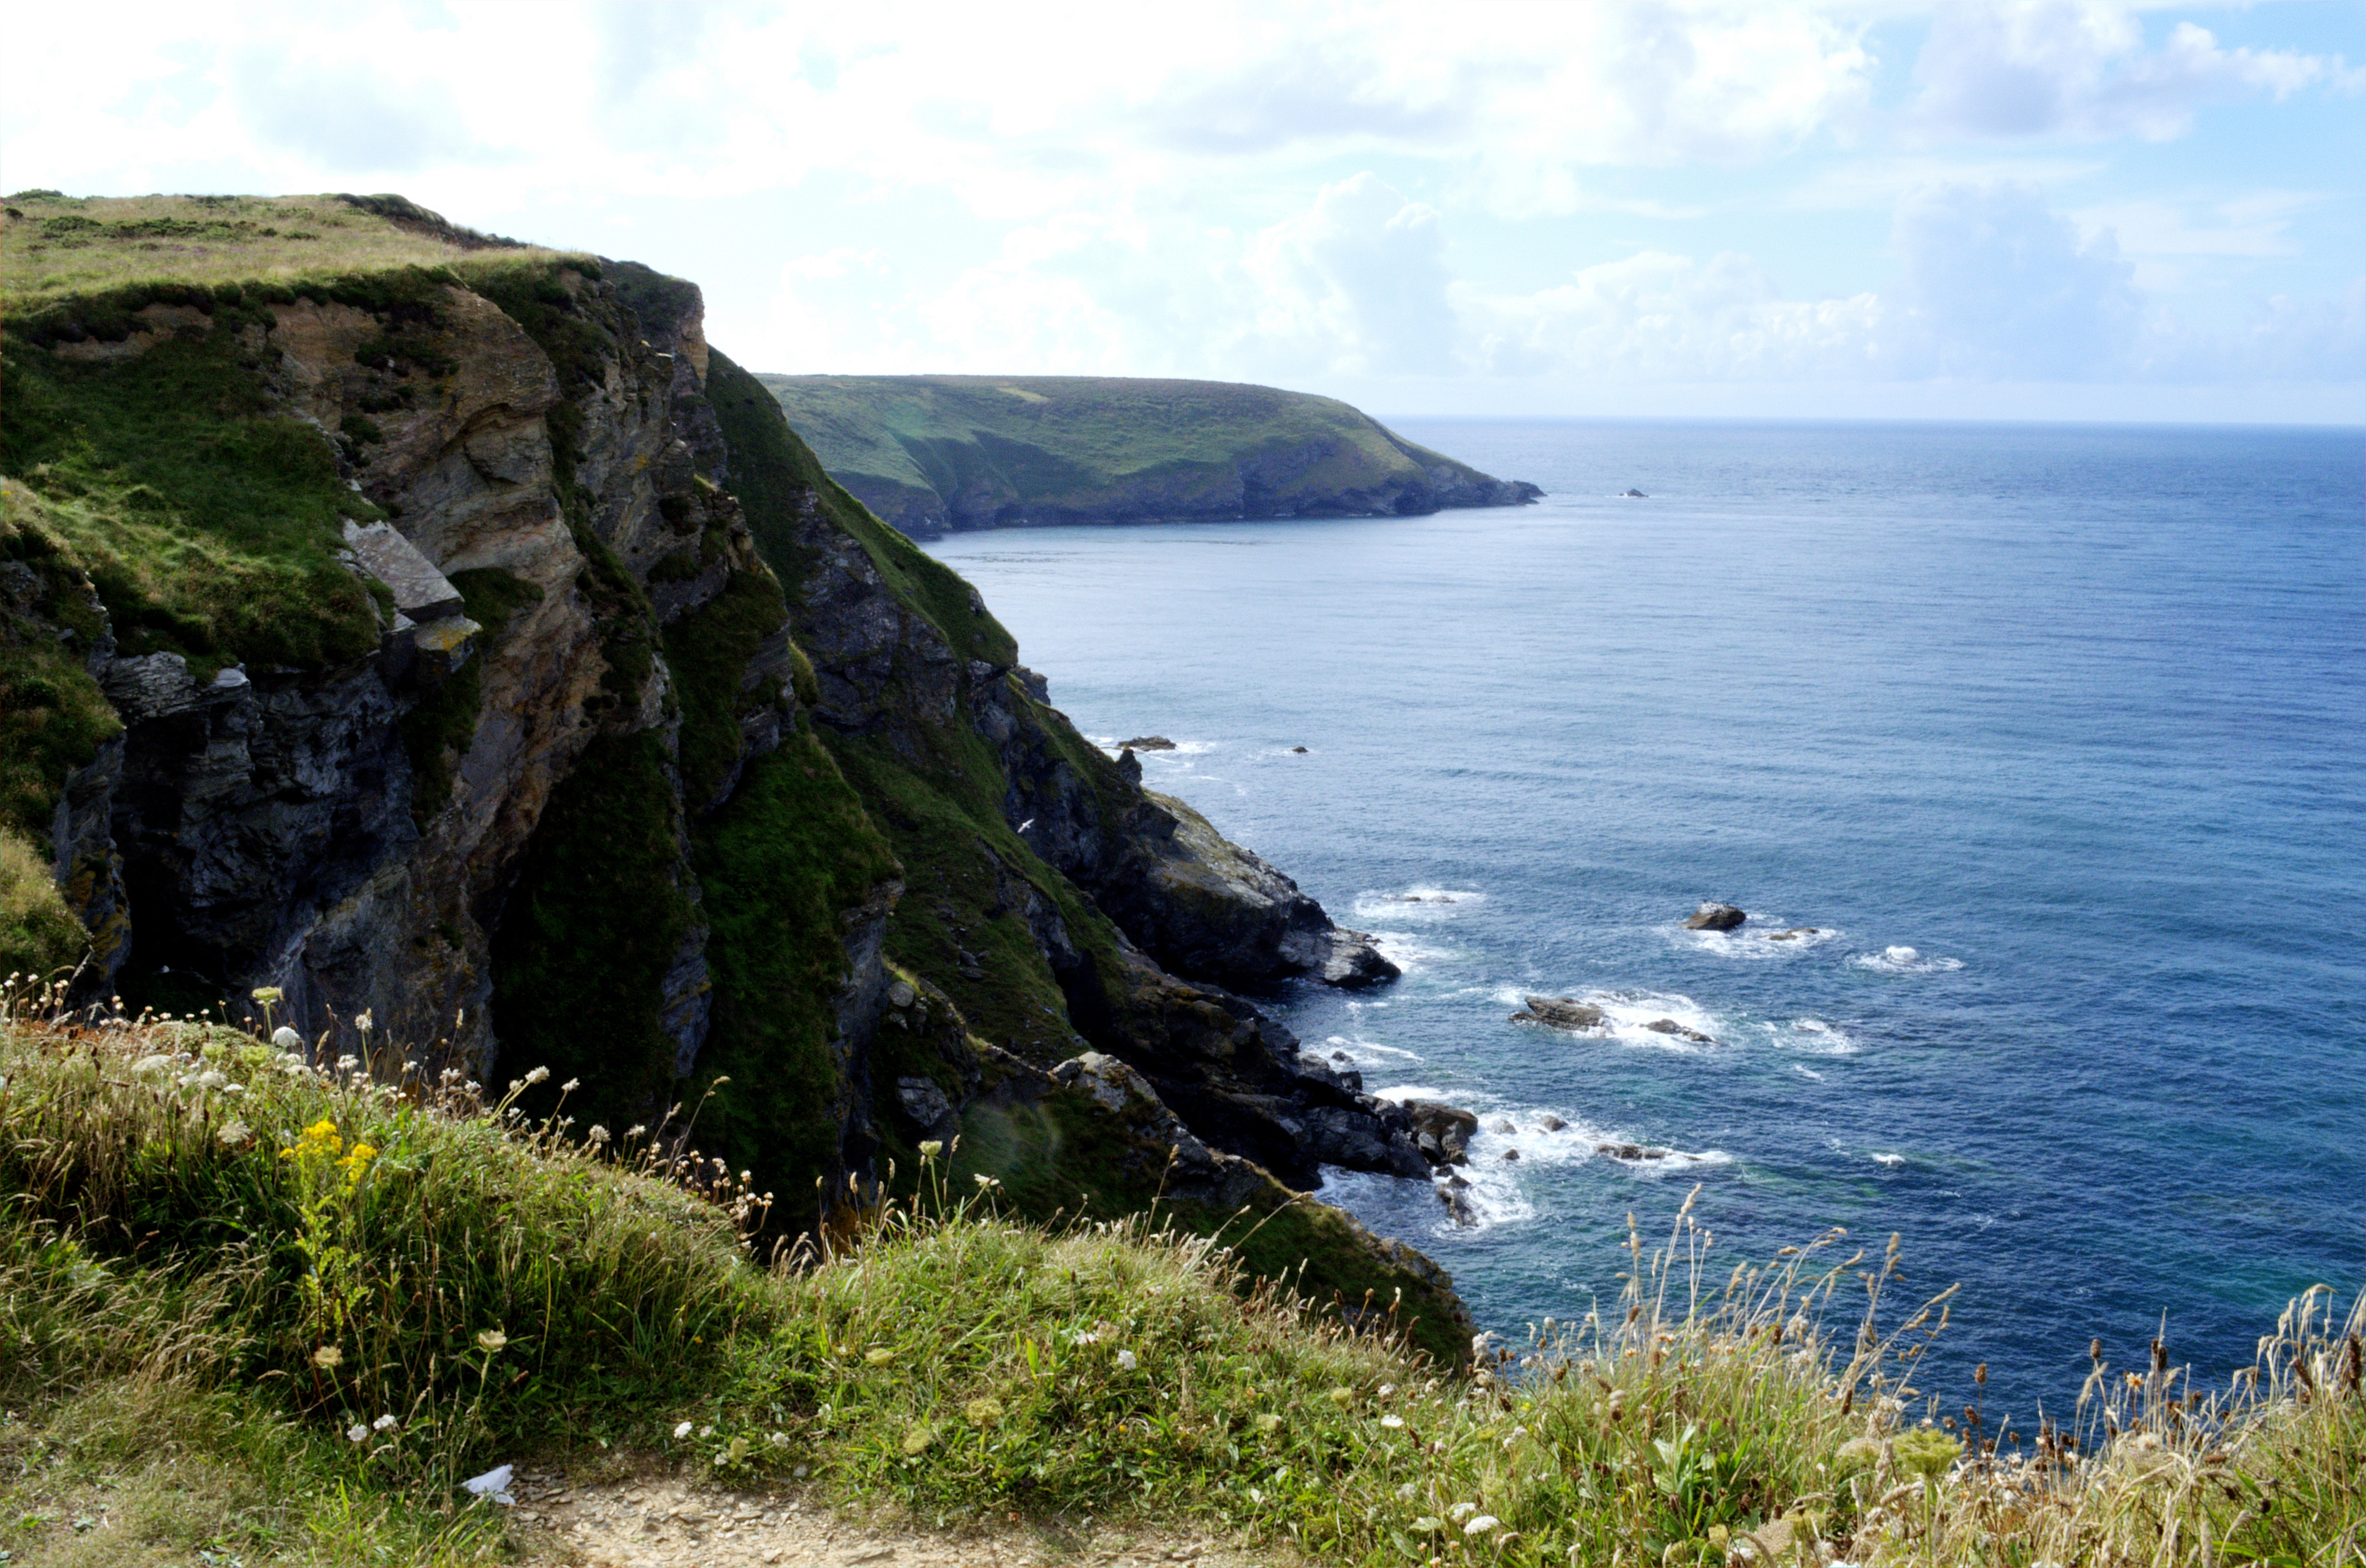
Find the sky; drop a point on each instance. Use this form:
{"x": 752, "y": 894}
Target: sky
{"x": 2045, "y": 210}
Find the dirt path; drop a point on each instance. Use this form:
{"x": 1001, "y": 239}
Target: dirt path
{"x": 663, "y": 1522}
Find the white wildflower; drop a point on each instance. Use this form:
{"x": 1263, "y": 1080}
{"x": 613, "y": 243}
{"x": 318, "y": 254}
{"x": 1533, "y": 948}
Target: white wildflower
{"x": 1125, "y": 1361}
{"x": 357, "y": 1433}
{"x": 1387, "y": 1389}
{"x": 384, "y": 1424}
{"x": 286, "y": 1039}
{"x": 596, "y": 1135}
{"x": 1429, "y": 1522}
{"x": 1481, "y": 1525}
{"x": 1392, "y": 1422}
{"x": 682, "y": 1430}
{"x": 1460, "y": 1509}
{"x": 363, "y": 1021}
{"x": 347, "y": 1063}
{"x": 570, "y": 1086}
{"x": 157, "y": 1063}
{"x": 538, "y": 1075}
{"x": 1405, "y": 1492}
{"x": 636, "y": 1130}
{"x": 706, "y": 1431}
{"x": 234, "y": 1134}
{"x": 932, "y": 1148}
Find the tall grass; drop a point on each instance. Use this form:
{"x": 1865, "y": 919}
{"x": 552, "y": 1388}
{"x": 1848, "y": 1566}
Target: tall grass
{"x": 414, "y": 1280}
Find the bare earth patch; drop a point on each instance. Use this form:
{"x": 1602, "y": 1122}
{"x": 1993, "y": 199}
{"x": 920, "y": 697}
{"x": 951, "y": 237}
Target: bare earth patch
{"x": 666, "y": 1523}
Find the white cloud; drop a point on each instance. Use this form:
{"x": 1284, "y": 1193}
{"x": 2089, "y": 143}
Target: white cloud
{"x": 2073, "y": 68}
{"x": 1996, "y": 284}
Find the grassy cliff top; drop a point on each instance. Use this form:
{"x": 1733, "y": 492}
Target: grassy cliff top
{"x": 280, "y": 1311}
{"x": 55, "y": 247}
{"x": 1075, "y": 432}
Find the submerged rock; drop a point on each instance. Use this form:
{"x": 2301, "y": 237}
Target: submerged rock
{"x": 1670, "y": 1026}
{"x": 1147, "y": 742}
{"x": 1714, "y": 917}
{"x": 1795, "y": 934}
{"x": 1631, "y": 1152}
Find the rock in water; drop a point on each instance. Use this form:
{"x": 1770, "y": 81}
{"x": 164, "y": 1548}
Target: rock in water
{"x": 1148, "y": 743}
{"x": 1670, "y": 1026}
{"x": 1714, "y": 917}
{"x": 1441, "y": 1132}
{"x": 1560, "y": 1013}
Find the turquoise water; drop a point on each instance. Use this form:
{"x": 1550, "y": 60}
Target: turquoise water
{"x": 2053, "y": 734}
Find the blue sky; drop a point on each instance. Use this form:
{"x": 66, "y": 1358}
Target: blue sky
{"x": 1970, "y": 211}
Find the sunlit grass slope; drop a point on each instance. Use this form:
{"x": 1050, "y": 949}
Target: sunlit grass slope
{"x": 1058, "y": 447}
{"x": 277, "y": 1312}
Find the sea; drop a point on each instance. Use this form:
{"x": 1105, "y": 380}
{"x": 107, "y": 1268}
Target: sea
{"x": 2032, "y": 753}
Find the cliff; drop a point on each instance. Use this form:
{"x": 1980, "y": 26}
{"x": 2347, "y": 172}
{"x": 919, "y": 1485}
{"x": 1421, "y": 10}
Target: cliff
{"x": 465, "y": 652}
{"x": 933, "y": 453}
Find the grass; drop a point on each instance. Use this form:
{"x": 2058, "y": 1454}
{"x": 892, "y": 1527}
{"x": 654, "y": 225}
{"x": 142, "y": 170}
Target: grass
{"x": 1077, "y": 447}
{"x": 217, "y": 1261}
{"x": 54, "y": 246}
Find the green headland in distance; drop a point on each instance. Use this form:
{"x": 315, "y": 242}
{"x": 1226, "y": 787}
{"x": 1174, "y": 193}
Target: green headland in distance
{"x": 936, "y": 452}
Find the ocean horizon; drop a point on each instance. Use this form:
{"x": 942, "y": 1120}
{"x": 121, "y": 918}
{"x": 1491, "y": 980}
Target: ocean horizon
{"x": 2032, "y": 752}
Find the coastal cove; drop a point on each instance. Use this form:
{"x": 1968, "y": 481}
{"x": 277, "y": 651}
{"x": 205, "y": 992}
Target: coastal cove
{"x": 2051, "y": 733}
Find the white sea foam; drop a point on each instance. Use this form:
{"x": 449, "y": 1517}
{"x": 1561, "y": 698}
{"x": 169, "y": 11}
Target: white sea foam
{"x": 1771, "y": 939}
{"x": 1819, "y": 1039}
{"x": 1891, "y": 1160}
{"x": 1900, "y": 960}
{"x": 1409, "y": 951}
{"x": 1423, "y": 904}
{"x": 1362, "y": 1053}
{"x": 1807, "y": 1073}
{"x": 1627, "y": 1015}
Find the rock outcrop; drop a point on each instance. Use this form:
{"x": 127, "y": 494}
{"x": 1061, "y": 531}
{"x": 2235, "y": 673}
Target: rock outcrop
{"x": 1714, "y": 917}
{"x": 1560, "y": 1013}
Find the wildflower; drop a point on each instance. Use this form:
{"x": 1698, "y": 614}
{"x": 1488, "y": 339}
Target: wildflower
{"x": 879, "y": 1358}
{"x": 1404, "y": 1493}
{"x": 779, "y": 1439}
{"x": 1481, "y": 1525}
{"x": 682, "y": 1431}
{"x": 983, "y": 1412}
{"x": 570, "y": 1086}
{"x": 1083, "y": 1336}
{"x": 1392, "y": 1422}
{"x": 1343, "y": 1396}
{"x": 538, "y": 1075}
{"x": 209, "y": 1079}
{"x": 491, "y": 1340}
{"x": 347, "y": 1063}
{"x": 328, "y": 1357}
{"x": 595, "y": 1135}
{"x": 706, "y": 1431}
{"x": 286, "y": 1039}
{"x": 266, "y": 995}
{"x": 1125, "y": 1361}
{"x": 160, "y": 1062}
{"x": 918, "y": 1439}
{"x": 1387, "y": 1389}
{"x": 1428, "y": 1522}
{"x": 357, "y": 1433}
{"x": 985, "y": 1180}
{"x": 636, "y": 1130}
{"x": 1460, "y": 1509}
{"x": 1268, "y": 1423}
{"x": 384, "y": 1424}
{"x": 235, "y": 1133}
{"x": 932, "y": 1148}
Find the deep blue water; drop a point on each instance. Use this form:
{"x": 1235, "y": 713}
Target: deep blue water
{"x": 2054, "y": 734}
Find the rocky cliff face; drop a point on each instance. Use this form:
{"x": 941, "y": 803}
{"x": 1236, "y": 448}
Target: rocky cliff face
{"x": 652, "y": 758}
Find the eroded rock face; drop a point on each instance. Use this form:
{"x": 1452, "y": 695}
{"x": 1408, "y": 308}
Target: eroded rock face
{"x": 1714, "y": 917}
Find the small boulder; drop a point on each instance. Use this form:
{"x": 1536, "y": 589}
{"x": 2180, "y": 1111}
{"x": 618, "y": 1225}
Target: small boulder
{"x": 1457, "y": 1204}
{"x": 1630, "y": 1151}
{"x": 1148, "y": 743}
{"x": 1796, "y": 933}
{"x": 1511, "y": 1154}
{"x": 1297, "y": 751}
{"x": 1632, "y": 494}
{"x": 1502, "y": 1125}
{"x": 1670, "y": 1026}
{"x": 1552, "y": 1124}
{"x": 1714, "y": 917}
